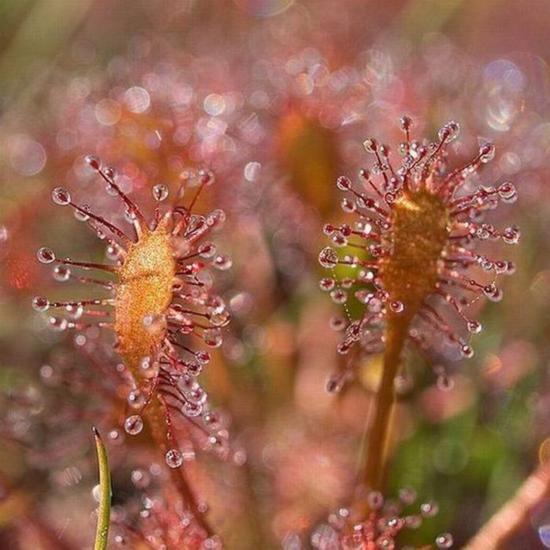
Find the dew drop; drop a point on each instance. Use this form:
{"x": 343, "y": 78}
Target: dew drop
{"x": 507, "y": 192}
{"x": 370, "y": 145}
{"x": 61, "y": 273}
{"x": 375, "y": 500}
{"x": 407, "y": 495}
{"x": 413, "y": 521}
{"x": 334, "y": 384}
{"x": 328, "y": 229}
{"x": 191, "y": 410}
{"x": 206, "y": 250}
{"x": 114, "y": 435}
{"x": 466, "y": 351}
{"x": 40, "y": 303}
{"x": 45, "y": 255}
{"x": 337, "y": 323}
{"x": 449, "y": 132}
{"x": 136, "y": 399}
{"x": 58, "y": 323}
{"x": 140, "y": 478}
{"x": 81, "y": 216}
{"x": 112, "y": 252}
{"x": 203, "y": 357}
{"x": 339, "y": 296}
{"x": 212, "y": 337}
{"x": 327, "y": 284}
{"x": 343, "y": 183}
{"x": 328, "y": 258}
{"x": 445, "y": 382}
{"x": 486, "y": 153}
{"x": 109, "y": 172}
{"x": 146, "y": 363}
{"x": 511, "y": 235}
{"x": 133, "y": 424}
{"x": 74, "y": 310}
{"x": 96, "y": 493}
{"x": 429, "y": 509}
{"x": 396, "y": 306}
{"x": 173, "y": 458}
{"x": 222, "y": 262}
{"x": 160, "y": 192}
{"x": 61, "y": 196}
{"x": 211, "y": 419}
{"x": 474, "y": 327}
{"x": 444, "y": 540}
{"x": 405, "y": 122}
{"x": 93, "y": 161}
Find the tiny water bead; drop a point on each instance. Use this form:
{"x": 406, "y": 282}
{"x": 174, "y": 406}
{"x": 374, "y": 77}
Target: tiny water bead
{"x": 45, "y": 255}
{"x": 40, "y": 304}
{"x": 429, "y": 509}
{"x": 137, "y": 399}
{"x": 58, "y": 323}
{"x": 486, "y": 153}
{"x": 61, "y": 273}
{"x": 140, "y": 478}
{"x": 222, "y": 262}
{"x": 61, "y": 196}
{"x": 160, "y": 192}
{"x": 474, "y": 327}
{"x": 173, "y": 458}
{"x": 328, "y": 258}
{"x": 133, "y": 425}
{"x": 449, "y": 132}
{"x": 444, "y": 540}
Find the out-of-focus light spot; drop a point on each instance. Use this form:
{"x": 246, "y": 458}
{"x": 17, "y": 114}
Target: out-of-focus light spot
{"x": 440, "y": 405}
{"x": 540, "y": 287}
{"x": 252, "y": 171}
{"x": 504, "y": 83}
{"x": 544, "y": 535}
{"x": 544, "y": 451}
{"x": 514, "y": 362}
{"x": 304, "y": 84}
{"x": 264, "y": 8}
{"x": 450, "y": 457}
{"x": 137, "y": 99}
{"x": 153, "y": 140}
{"x": 504, "y": 73}
{"x": 510, "y": 163}
{"x": 492, "y": 364}
{"x": 66, "y": 139}
{"x": 26, "y": 155}
{"x": 214, "y": 104}
{"x": 107, "y": 112}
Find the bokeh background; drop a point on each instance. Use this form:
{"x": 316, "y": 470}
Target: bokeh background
{"x": 276, "y": 96}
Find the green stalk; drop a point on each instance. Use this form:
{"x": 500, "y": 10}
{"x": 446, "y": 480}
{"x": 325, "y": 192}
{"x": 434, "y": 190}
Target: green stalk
{"x": 104, "y": 511}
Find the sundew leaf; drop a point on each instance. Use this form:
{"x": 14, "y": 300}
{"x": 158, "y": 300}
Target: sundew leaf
{"x": 104, "y": 511}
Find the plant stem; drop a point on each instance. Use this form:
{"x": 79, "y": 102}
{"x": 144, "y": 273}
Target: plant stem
{"x": 104, "y": 512}
{"x": 154, "y": 416}
{"x": 377, "y": 446}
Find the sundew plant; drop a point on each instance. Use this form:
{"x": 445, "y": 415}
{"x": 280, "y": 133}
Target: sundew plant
{"x": 274, "y": 275}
